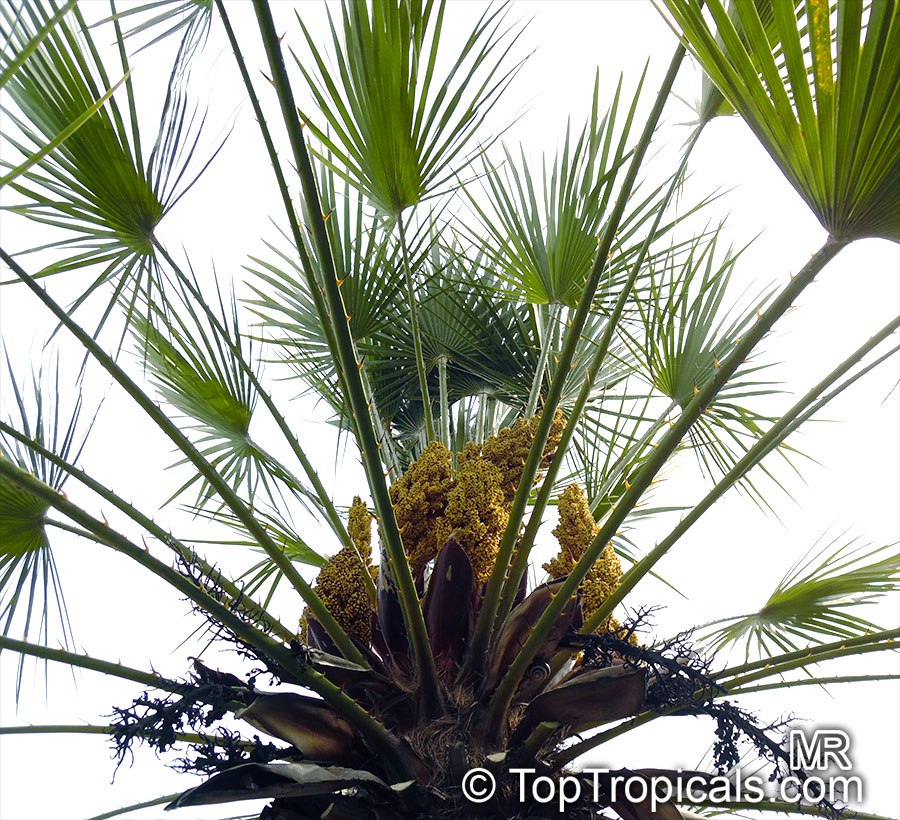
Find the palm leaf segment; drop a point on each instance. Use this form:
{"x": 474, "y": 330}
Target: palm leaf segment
{"x": 829, "y": 114}
{"x": 159, "y": 19}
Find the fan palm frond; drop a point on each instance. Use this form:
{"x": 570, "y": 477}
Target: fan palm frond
{"x": 542, "y": 225}
{"x": 29, "y": 581}
{"x": 688, "y": 327}
{"x": 828, "y": 114}
{"x": 200, "y": 367}
{"x": 284, "y": 532}
{"x": 398, "y": 129}
{"x": 816, "y": 599}
{"x": 97, "y": 183}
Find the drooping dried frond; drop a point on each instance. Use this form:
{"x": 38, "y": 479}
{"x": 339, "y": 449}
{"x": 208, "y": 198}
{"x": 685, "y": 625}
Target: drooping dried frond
{"x": 419, "y": 498}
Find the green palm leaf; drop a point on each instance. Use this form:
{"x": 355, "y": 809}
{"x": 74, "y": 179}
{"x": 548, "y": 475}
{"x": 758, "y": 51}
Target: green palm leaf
{"x": 542, "y": 225}
{"x": 11, "y": 62}
{"x": 830, "y": 121}
{"x": 367, "y": 265}
{"x": 815, "y": 600}
{"x": 688, "y": 326}
{"x": 196, "y": 365}
{"x": 283, "y": 531}
{"x": 96, "y": 183}
{"x": 395, "y": 126}
{"x": 29, "y": 581}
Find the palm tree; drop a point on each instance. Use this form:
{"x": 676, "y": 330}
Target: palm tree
{"x": 494, "y": 336}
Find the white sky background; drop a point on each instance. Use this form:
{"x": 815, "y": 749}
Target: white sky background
{"x": 727, "y": 564}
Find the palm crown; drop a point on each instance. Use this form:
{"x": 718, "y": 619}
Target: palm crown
{"x": 495, "y": 335}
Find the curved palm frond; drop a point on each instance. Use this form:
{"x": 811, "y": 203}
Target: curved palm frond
{"x": 828, "y": 114}
{"x": 160, "y": 19}
{"x": 688, "y": 326}
{"x": 199, "y": 366}
{"x": 815, "y": 600}
{"x": 542, "y": 225}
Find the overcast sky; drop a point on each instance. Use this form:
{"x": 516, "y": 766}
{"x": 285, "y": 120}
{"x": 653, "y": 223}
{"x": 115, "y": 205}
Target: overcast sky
{"x": 730, "y": 562}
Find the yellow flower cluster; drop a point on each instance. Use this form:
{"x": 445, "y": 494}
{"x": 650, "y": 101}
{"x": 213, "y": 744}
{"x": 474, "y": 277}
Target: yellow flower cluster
{"x": 342, "y": 589}
{"x": 419, "y": 497}
{"x": 430, "y": 503}
{"x": 476, "y": 514}
{"x": 359, "y": 527}
{"x": 508, "y": 450}
{"x": 340, "y": 583}
{"x": 575, "y": 531}
{"x": 601, "y": 582}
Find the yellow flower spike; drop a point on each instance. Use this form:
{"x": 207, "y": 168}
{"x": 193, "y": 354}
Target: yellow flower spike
{"x": 419, "y": 498}
{"x": 303, "y": 629}
{"x": 508, "y": 450}
{"x": 575, "y": 531}
{"x": 600, "y": 583}
{"x": 476, "y": 514}
{"x": 342, "y": 589}
{"x": 359, "y": 528}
